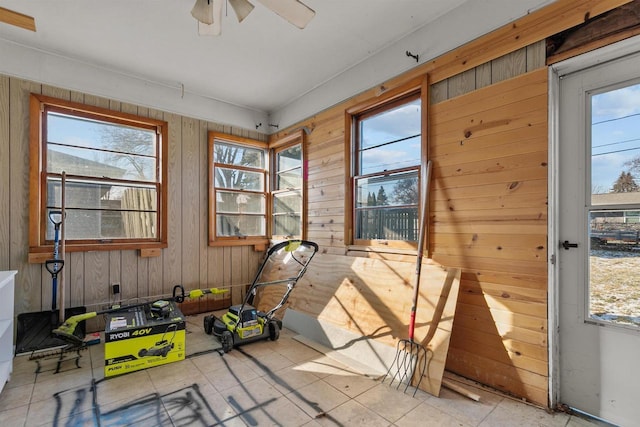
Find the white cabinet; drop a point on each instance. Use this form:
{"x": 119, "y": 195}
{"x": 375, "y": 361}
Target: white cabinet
{"x": 7, "y": 283}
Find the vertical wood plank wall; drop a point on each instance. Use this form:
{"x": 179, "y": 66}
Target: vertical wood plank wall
{"x": 489, "y": 216}
{"x": 489, "y": 213}
{"x": 88, "y": 275}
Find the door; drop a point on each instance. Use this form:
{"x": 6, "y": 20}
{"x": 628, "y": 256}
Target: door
{"x": 599, "y": 249}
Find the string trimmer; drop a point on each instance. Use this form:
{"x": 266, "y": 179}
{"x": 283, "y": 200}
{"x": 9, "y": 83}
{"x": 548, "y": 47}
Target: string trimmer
{"x": 66, "y": 330}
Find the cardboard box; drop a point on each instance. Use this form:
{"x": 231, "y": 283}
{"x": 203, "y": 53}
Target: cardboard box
{"x": 137, "y": 338}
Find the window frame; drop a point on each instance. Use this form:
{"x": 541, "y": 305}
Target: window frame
{"x": 279, "y": 145}
{"x": 387, "y": 99}
{"x": 39, "y": 105}
{"x": 213, "y": 239}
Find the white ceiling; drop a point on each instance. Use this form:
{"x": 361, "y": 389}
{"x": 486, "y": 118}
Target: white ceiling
{"x": 263, "y": 65}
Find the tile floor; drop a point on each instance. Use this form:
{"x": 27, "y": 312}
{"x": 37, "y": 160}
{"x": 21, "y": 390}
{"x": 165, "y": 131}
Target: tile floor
{"x": 260, "y": 384}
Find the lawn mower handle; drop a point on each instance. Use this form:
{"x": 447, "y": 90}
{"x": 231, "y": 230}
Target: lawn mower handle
{"x": 278, "y": 246}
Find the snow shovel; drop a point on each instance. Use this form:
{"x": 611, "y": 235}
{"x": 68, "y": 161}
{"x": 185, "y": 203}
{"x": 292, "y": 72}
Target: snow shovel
{"x": 411, "y": 356}
{"x": 55, "y": 265}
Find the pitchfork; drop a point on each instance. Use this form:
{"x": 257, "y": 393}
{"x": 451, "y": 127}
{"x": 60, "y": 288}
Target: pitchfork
{"x": 411, "y": 356}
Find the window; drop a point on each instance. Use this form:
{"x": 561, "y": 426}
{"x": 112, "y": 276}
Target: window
{"x": 237, "y": 190}
{"x": 385, "y": 163}
{"x": 115, "y": 186}
{"x": 287, "y": 195}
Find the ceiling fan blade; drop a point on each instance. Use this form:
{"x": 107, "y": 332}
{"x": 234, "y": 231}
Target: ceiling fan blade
{"x": 215, "y": 28}
{"x": 203, "y": 11}
{"x": 18, "y": 19}
{"x": 242, "y": 8}
{"x": 293, "y": 11}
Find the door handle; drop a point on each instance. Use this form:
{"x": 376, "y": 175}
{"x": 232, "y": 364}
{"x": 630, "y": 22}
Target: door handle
{"x": 566, "y": 244}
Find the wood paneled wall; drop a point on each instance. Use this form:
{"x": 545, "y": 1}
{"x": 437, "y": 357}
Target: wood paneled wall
{"x": 88, "y": 275}
{"x": 488, "y": 144}
{"x": 489, "y": 217}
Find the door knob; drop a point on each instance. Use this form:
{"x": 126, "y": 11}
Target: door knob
{"x": 566, "y": 244}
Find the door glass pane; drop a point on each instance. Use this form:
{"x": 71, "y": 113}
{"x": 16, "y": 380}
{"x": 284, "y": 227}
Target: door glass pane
{"x": 614, "y": 213}
{"x": 615, "y": 143}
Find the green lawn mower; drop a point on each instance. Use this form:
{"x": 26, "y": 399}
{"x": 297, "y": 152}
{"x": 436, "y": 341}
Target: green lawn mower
{"x": 243, "y": 323}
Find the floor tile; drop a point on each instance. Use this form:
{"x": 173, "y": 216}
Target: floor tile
{"x": 260, "y": 383}
{"x": 199, "y": 405}
{"x": 229, "y": 372}
{"x": 73, "y": 403}
{"x": 510, "y": 412}
{"x": 388, "y": 402}
{"x": 267, "y": 361}
{"x": 322, "y": 366}
{"x": 174, "y": 376}
{"x": 283, "y": 412}
{"x": 253, "y": 400}
{"x": 352, "y": 413}
{"x": 465, "y": 409}
{"x": 298, "y": 352}
{"x": 578, "y": 421}
{"x": 19, "y": 378}
{"x": 426, "y": 415}
{"x": 352, "y": 385}
{"x": 145, "y": 410}
{"x": 45, "y": 390}
{"x": 290, "y": 378}
{"x": 130, "y": 386}
{"x": 15, "y": 396}
{"x": 14, "y": 417}
{"x": 317, "y": 398}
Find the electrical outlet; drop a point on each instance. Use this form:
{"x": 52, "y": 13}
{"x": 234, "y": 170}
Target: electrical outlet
{"x": 115, "y": 288}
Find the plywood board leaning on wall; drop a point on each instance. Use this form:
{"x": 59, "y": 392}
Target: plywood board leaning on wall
{"x": 372, "y": 298}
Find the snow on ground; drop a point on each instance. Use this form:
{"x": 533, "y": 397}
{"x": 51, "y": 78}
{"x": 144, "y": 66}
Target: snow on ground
{"x": 615, "y": 286}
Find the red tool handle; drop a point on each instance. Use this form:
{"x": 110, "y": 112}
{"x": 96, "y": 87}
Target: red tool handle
{"x": 412, "y": 323}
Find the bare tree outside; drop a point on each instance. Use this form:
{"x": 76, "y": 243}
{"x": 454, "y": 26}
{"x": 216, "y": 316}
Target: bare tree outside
{"x": 405, "y": 192}
{"x": 624, "y": 184}
{"x": 130, "y": 149}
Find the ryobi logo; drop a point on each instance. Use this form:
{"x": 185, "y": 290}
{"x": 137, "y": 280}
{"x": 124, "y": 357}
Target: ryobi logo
{"x": 118, "y": 335}
{"x": 126, "y": 334}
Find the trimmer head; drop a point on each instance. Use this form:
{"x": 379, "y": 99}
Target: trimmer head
{"x": 66, "y": 331}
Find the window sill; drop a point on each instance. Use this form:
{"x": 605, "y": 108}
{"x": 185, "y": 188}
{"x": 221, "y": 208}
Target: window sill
{"x": 381, "y": 249}
{"x": 41, "y": 254}
{"x": 259, "y": 244}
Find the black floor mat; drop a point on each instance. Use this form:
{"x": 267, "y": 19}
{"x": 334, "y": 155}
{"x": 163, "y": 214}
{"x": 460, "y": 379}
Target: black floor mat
{"x": 34, "y": 330}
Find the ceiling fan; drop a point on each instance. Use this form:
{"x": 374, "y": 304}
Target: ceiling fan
{"x": 18, "y": 19}
{"x": 208, "y": 13}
